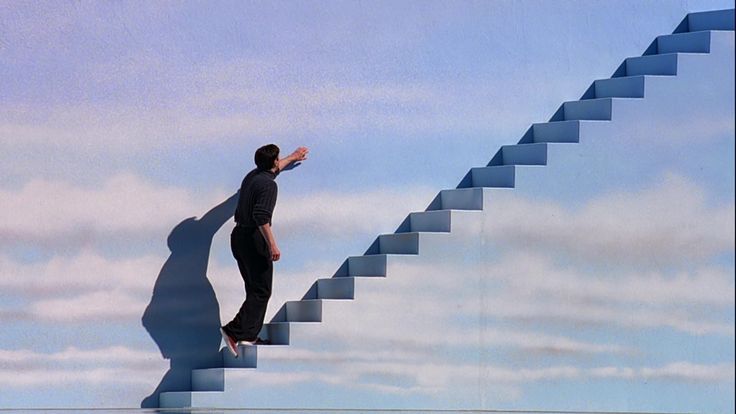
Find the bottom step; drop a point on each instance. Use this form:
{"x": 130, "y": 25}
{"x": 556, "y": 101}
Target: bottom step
{"x": 190, "y": 399}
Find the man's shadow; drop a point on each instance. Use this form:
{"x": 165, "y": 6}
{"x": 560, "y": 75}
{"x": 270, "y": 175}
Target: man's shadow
{"x": 183, "y": 317}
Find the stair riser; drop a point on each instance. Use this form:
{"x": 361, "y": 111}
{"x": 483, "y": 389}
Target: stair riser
{"x": 400, "y": 243}
{"x": 247, "y": 357}
{"x": 567, "y": 131}
{"x": 462, "y": 199}
{"x": 711, "y": 20}
{"x": 276, "y": 333}
{"x": 212, "y": 379}
{"x": 304, "y": 311}
{"x": 663, "y": 65}
{"x": 632, "y": 87}
{"x": 497, "y": 176}
{"x": 524, "y": 154}
{"x": 591, "y": 109}
{"x": 438, "y": 221}
{"x": 187, "y": 399}
{"x": 697, "y": 42}
{"x": 373, "y": 265}
{"x": 336, "y": 288}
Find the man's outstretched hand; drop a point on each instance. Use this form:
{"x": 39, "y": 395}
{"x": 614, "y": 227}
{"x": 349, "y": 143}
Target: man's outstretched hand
{"x": 300, "y": 154}
{"x": 293, "y": 159}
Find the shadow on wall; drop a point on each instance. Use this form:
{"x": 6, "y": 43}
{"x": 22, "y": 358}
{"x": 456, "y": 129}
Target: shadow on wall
{"x": 183, "y": 317}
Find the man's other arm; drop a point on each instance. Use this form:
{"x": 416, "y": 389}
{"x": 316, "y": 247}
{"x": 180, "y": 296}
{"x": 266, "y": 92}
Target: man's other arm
{"x": 268, "y": 235}
{"x": 263, "y": 206}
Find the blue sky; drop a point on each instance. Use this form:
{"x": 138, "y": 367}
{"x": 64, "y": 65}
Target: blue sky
{"x": 118, "y": 121}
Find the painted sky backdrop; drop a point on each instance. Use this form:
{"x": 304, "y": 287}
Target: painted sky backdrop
{"x": 118, "y": 121}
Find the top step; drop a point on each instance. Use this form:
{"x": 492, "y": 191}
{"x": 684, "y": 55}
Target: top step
{"x": 711, "y": 20}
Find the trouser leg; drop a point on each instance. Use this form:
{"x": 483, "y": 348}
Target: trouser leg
{"x": 257, "y": 272}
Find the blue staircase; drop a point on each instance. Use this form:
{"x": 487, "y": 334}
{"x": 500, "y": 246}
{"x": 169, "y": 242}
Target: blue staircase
{"x": 512, "y": 163}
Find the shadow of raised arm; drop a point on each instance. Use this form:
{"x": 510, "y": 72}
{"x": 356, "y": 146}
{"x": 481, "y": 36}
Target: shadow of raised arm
{"x": 218, "y": 215}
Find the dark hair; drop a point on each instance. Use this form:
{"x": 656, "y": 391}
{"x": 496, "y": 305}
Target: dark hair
{"x": 266, "y": 155}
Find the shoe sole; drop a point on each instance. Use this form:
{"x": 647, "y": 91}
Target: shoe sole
{"x": 226, "y": 337}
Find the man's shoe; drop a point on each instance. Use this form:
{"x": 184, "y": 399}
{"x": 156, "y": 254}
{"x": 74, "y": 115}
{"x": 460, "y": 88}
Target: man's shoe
{"x": 257, "y": 341}
{"x": 230, "y": 343}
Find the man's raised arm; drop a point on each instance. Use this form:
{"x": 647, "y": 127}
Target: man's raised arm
{"x": 300, "y": 154}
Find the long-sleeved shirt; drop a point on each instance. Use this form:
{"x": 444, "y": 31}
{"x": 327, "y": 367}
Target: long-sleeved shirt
{"x": 257, "y": 198}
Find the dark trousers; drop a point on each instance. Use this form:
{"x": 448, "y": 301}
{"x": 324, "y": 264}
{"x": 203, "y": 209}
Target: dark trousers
{"x": 254, "y": 261}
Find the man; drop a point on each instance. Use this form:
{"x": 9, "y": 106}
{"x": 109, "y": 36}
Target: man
{"x": 254, "y": 246}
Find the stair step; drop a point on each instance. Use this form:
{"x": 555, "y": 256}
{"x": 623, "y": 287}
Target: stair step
{"x": 591, "y": 109}
{"x": 692, "y": 42}
{"x": 308, "y": 310}
{"x": 187, "y": 399}
{"x": 371, "y": 265}
{"x": 460, "y": 199}
{"x": 276, "y": 332}
{"x": 623, "y": 87}
{"x": 499, "y": 176}
{"x": 711, "y": 20}
{"x": 562, "y": 131}
{"x": 662, "y": 64}
{"x": 247, "y": 357}
{"x": 524, "y": 154}
{"x": 336, "y": 288}
{"x": 208, "y": 379}
{"x": 399, "y": 243}
{"x": 435, "y": 221}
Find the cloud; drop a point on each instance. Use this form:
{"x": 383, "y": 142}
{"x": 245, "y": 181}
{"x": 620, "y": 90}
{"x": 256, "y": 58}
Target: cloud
{"x": 53, "y": 212}
{"x": 349, "y": 214}
{"x": 114, "y": 355}
{"x": 235, "y": 113}
{"x": 675, "y": 371}
{"x": 640, "y": 228}
{"x": 712, "y": 123}
{"x": 96, "y": 306}
{"x": 535, "y": 273}
{"x": 406, "y": 376}
{"x": 85, "y": 272}
{"x": 531, "y": 288}
{"x": 24, "y": 368}
{"x": 83, "y": 282}
{"x": 127, "y": 207}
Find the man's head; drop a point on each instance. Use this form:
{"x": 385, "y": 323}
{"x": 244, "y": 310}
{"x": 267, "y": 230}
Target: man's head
{"x": 266, "y": 156}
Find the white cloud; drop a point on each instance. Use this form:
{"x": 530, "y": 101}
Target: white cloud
{"x": 103, "y": 367}
{"x": 85, "y": 272}
{"x": 347, "y": 215}
{"x": 57, "y": 212}
{"x": 74, "y": 377}
{"x": 667, "y": 223}
{"x": 363, "y": 370}
{"x": 715, "y": 123}
{"x": 537, "y": 273}
{"x": 85, "y": 283}
{"x": 88, "y": 307}
{"x": 110, "y": 356}
{"x": 531, "y": 288}
{"x": 235, "y": 111}
{"x": 537, "y": 310}
{"x": 24, "y": 368}
{"x": 676, "y": 371}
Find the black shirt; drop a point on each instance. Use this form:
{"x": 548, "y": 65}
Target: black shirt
{"x": 257, "y": 198}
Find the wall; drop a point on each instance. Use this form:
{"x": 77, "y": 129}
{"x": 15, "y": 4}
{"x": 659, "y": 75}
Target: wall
{"x": 123, "y": 126}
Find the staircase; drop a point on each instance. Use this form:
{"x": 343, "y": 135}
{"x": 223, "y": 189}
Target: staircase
{"x": 451, "y": 209}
